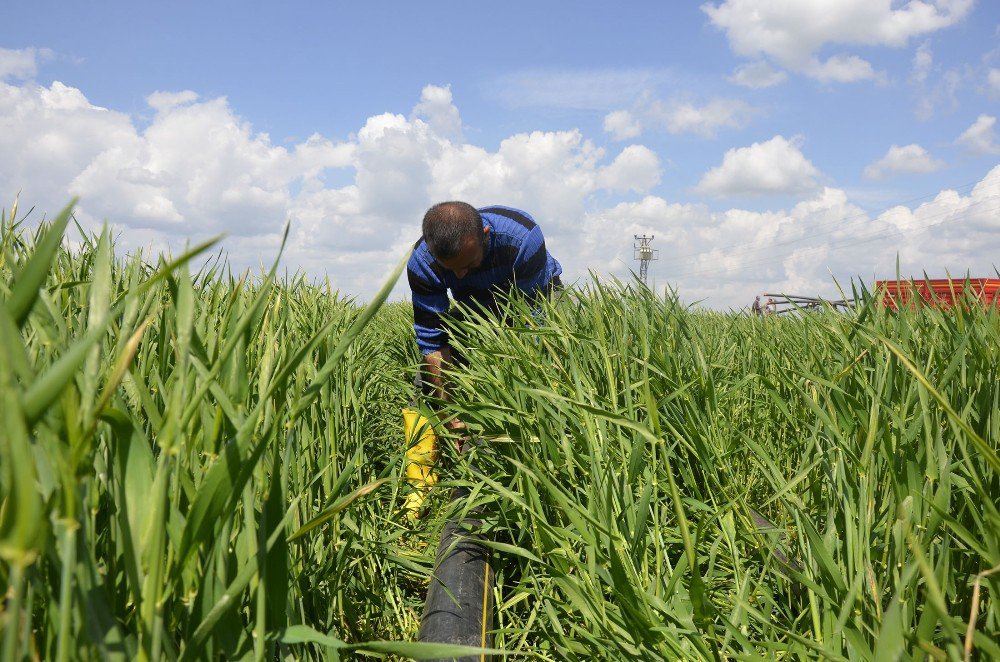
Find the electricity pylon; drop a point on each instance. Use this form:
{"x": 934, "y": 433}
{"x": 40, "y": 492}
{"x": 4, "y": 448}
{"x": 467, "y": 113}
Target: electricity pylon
{"x": 644, "y": 253}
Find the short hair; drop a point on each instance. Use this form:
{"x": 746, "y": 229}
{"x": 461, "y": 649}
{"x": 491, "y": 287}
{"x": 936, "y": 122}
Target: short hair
{"x": 447, "y": 225}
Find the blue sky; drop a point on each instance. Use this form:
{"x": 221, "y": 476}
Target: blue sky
{"x": 768, "y": 145}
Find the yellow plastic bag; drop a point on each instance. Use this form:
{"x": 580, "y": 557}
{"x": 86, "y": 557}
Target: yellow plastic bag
{"x": 421, "y": 456}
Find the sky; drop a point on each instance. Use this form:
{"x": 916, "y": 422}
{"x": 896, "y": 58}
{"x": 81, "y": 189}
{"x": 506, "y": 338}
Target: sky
{"x": 766, "y": 145}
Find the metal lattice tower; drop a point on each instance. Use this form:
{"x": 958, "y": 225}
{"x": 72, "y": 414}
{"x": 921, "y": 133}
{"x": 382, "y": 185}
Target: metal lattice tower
{"x": 644, "y": 253}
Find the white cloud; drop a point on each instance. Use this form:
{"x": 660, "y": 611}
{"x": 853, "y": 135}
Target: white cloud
{"x": 966, "y": 231}
{"x": 22, "y": 64}
{"x": 706, "y": 120}
{"x": 48, "y": 135}
{"x": 841, "y": 69}
{"x": 437, "y": 109}
{"x": 757, "y": 75}
{"x": 910, "y": 158}
{"x": 622, "y": 125}
{"x": 196, "y": 168}
{"x": 773, "y": 167}
{"x": 636, "y": 169}
{"x": 212, "y": 167}
{"x": 981, "y": 137}
{"x": 792, "y": 34}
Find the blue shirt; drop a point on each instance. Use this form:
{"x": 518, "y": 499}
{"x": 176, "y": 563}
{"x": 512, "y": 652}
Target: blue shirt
{"x": 515, "y": 258}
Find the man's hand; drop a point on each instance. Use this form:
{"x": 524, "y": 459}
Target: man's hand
{"x": 457, "y": 427}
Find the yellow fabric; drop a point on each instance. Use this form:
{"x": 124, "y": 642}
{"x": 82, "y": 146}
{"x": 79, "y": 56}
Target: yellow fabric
{"x": 421, "y": 456}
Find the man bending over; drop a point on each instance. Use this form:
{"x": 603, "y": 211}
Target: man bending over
{"x": 477, "y": 254}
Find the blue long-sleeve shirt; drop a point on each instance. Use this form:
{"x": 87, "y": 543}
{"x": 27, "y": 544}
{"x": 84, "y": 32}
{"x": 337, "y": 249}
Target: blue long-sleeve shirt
{"x": 515, "y": 258}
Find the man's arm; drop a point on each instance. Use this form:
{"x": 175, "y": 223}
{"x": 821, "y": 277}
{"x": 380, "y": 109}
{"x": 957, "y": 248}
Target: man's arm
{"x": 434, "y": 364}
{"x": 430, "y": 301}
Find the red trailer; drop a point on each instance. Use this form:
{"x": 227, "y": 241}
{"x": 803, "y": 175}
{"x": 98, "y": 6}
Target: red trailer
{"x": 939, "y": 292}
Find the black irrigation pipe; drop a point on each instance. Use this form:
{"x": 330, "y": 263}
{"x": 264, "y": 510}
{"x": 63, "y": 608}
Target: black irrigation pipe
{"x": 459, "y": 607}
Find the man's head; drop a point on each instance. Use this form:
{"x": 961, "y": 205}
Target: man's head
{"x": 455, "y": 236}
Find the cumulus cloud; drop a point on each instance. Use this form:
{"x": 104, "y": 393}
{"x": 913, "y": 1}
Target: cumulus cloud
{"x": 22, "y": 64}
{"x": 622, "y": 125}
{"x": 981, "y": 137}
{"x": 773, "y": 167}
{"x": 636, "y": 169}
{"x": 792, "y": 34}
{"x": 965, "y": 230}
{"x": 757, "y": 75}
{"x": 199, "y": 164}
{"x": 910, "y": 158}
{"x": 48, "y": 135}
{"x": 437, "y": 109}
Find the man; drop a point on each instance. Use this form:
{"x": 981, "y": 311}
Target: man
{"x": 475, "y": 253}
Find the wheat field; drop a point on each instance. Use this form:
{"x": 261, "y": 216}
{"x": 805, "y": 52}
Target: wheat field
{"x": 200, "y": 464}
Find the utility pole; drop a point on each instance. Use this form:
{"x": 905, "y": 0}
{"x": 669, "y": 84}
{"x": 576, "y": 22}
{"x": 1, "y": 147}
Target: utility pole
{"x": 644, "y": 253}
